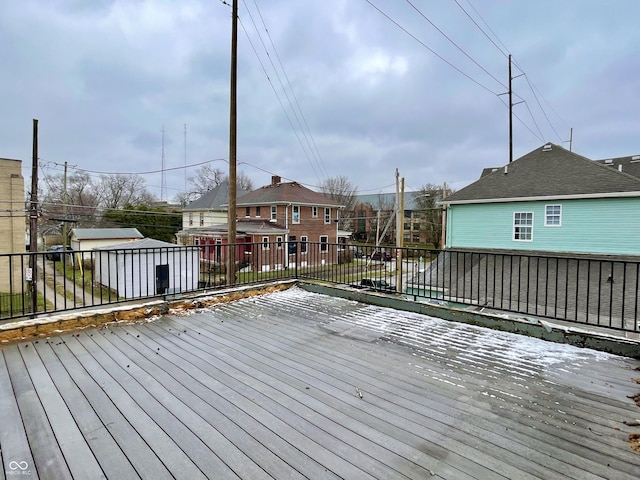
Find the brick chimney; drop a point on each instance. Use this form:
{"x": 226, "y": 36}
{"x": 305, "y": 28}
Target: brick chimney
{"x": 275, "y": 180}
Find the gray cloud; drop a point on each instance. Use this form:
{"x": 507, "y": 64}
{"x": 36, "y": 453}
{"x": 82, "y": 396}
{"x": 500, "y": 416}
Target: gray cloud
{"x": 104, "y": 78}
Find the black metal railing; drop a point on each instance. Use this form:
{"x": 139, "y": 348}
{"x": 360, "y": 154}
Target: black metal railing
{"x": 586, "y": 290}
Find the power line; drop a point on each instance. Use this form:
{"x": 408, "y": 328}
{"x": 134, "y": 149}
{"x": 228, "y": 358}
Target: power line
{"x": 430, "y": 49}
{"x": 455, "y": 44}
{"x": 285, "y": 91}
{"x": 295, "y": 131}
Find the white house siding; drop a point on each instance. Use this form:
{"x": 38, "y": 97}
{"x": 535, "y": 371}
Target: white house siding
{"x": 132, "y": 272}
{"x": 598, "y": 226}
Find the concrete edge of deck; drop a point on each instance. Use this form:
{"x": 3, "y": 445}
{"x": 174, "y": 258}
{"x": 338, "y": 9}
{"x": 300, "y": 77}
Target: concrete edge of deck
{"x": 124, "y": 314}
{"x": 544, "y": 329}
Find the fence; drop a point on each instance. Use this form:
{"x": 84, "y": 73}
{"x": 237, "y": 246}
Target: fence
{"x": 592, "y": 291}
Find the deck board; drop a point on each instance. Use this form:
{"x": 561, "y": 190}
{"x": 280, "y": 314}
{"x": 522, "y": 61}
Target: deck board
{"x": 15, "y": 452}
{"x": 267, "y": 387}
{"x": 529, "y": 448}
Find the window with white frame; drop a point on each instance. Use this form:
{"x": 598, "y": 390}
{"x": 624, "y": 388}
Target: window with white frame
{"x": 274, "y": 212}
{"x": 296, "y": 214}
{"x": 265, "y": 243}
{"x": 314, "y": 212}
{"x": 324, "y": 243}
{"x": 327, "y": 215}
{"x": 523, "y": 226}
{"x": 257, "y": 212}
{"x": 279, "y": 242}
{"x": 191, "y": 219}
{"x": 202, "y": 219}
{"x": 303, "y": 243}
{"x": 553, "y": 215}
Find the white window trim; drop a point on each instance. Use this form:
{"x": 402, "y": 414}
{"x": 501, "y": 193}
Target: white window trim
{"x": 314, "y": 212}
{"x": 202, "y": 219}
{"x": 265, "y": 243}
{"x": 304, "y": 244}
{"x": 274, "y": 213}
{"x": 327, "y": 215}
{"x": 279, "y": 242}
{"x": 513, "y": 236}
{"x": 293, "y": 217}
{"x": 190, "y": 218}
{"x": 324, "y": 245}
{"x": 546, "y": 215}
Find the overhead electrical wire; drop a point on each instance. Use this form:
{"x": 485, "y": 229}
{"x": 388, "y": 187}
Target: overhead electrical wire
{"x": 455, "y": 44}
{"x": 293, "y": 93}
{"x": 504, "y": 51}
{"x": 430, "y": 49}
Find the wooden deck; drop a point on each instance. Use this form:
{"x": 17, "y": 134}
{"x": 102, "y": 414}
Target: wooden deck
{"x": 297, "y": 385}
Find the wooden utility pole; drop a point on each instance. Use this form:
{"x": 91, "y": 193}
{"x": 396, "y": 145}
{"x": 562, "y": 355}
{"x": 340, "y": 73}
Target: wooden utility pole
{"x": 571, "y": 140}
{"x": 510, "y": 115}
{"x": 443, "y": 233}
{"x": 400, "y": 236}
{"x": 33, "y": 222}
{"x": 231, "y": 219}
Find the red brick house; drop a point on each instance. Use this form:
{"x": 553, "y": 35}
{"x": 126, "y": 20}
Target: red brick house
{"x": 277, "y": 225}
{"x": 309, "y": 217}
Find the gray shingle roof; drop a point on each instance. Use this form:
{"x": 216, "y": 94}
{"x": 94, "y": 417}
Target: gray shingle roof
{"x": 387, "y": 200}
{"x": 105, "y": 233}
{"x": 630, "y": 165}
{"x": 215, "y": 199}
{"x": 285, "y": 193}
{"x": 549, "y": 171}
{"x": 144, "y": 243}
{"x": 243, "y": 226}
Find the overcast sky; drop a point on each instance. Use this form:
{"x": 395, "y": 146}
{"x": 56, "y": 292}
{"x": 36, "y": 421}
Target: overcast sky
{"x": 359, "y": 89}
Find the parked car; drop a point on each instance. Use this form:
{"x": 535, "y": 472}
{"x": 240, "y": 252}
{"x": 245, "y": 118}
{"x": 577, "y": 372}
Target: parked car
{"x": 54, "y": 253}
{"x": 378, "y": 255}
{"x": 377, "y": 284}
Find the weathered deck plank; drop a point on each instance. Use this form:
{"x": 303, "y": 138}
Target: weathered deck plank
{"x": 270, "y": 387}
{"x": 15, "y": 452}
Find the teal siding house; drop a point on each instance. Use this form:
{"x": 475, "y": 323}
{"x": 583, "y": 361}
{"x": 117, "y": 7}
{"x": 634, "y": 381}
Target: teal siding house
{"x": 550, "y": 200}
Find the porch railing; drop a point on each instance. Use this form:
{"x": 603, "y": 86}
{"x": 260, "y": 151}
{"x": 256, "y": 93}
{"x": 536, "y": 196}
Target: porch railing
{"x": 585, "y": 290}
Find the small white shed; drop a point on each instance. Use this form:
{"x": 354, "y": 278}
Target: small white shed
{"x": 147, "y": 267}
{"x": 92, "y": 238}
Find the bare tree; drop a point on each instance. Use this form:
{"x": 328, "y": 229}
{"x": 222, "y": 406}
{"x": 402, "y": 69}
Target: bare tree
{"x": 244, "y": 182}
{"x": 385, "y": 215}
{"x": 428, "y": 204}
{"x": 119, "y": 190}
{"x": 76, "y": 206}
{"x": 343, "y": 192}
{"x": 207, "y": 178}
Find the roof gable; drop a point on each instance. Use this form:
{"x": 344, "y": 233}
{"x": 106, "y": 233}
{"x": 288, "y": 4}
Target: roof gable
{"x": 630, "y": 165}
{"x": 215, "y": 199}
{"x": 285, "y": 193}
{"x": 548, "y": 171}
